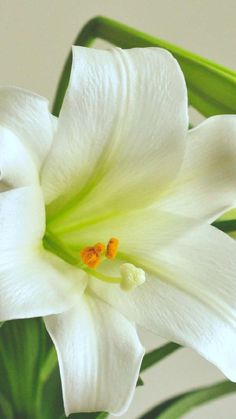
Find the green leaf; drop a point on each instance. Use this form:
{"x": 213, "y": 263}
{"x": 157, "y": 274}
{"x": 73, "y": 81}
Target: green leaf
{"x": 228, "y": 226}
{"x": 6, "y": 410}
{"x": 50, "y": 400}
{"x": 139, "y": 382}
{"x": 158, "y": 354}
{"x": 94, "y": 415}
{"x": 211, "y": 87}
{"x": 98, "y": 415}
{"x": 155, "y": 356}
{"x": 30, "y": 385}
{"x": 160, "y": 408}
{"x": 23, "y": 348}
{"x": 227, "y": 222}
{"x": 177, "y": 406}
{"x": 228, "y": 215}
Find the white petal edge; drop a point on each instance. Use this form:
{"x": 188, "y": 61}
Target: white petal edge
{"x": 16, "y": 165}
{"x": 205, "y": 186}
{"x": 192, "y": 301}
{"x": 121, "y": 129}
{"x": 99, "y": 357}
{"x": 27, "y": 116}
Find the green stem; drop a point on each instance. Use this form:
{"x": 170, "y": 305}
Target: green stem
{"x": 202, "y": 76}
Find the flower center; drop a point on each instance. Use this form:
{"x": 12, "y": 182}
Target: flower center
{"x": 91, "y": 256}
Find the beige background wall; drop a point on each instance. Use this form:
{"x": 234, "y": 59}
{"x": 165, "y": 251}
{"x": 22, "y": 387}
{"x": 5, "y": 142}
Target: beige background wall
{"x": 35, "y": 36}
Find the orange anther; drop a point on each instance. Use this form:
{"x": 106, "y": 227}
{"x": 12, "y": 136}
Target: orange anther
{"x": 91, "y": 255}
{"x": 99, "y": 247}
{"x": 112, "y": 248}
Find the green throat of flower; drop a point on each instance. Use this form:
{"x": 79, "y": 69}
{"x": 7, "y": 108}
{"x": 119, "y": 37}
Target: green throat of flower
{"x": 90, "y": 257}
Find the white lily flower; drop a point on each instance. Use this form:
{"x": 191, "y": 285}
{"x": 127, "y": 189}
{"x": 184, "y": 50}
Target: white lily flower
{"x": 117, "y": 180}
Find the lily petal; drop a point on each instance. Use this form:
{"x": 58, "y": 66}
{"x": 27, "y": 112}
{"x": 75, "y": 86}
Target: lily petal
{"x": 99, "y": 356}
{"x": 33, "y": 282}
{"x": 147, "y": 230}
{"x": 22, "y": 217}
{"x": 16, "y": 165}
{"x": 37, "y": 283}
{"x": 205, "y": 186}
{"x": 121, "y": 130}
{"x": 192, "y": 300}
{"x": 27, "y": 116}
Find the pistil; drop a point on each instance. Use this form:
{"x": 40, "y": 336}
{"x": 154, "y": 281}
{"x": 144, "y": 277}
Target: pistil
{"x": 131, "y": 277}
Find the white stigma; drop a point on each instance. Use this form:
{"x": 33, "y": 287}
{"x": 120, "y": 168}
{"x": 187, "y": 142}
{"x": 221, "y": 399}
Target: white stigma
{"x": 131, "y": 277}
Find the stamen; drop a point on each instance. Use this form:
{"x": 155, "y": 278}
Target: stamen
{"x": 99, "y": 247}
{"x": 112, "y": 247}
{"x": 91, "y": 255}
{"x": 131, "y": 277}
